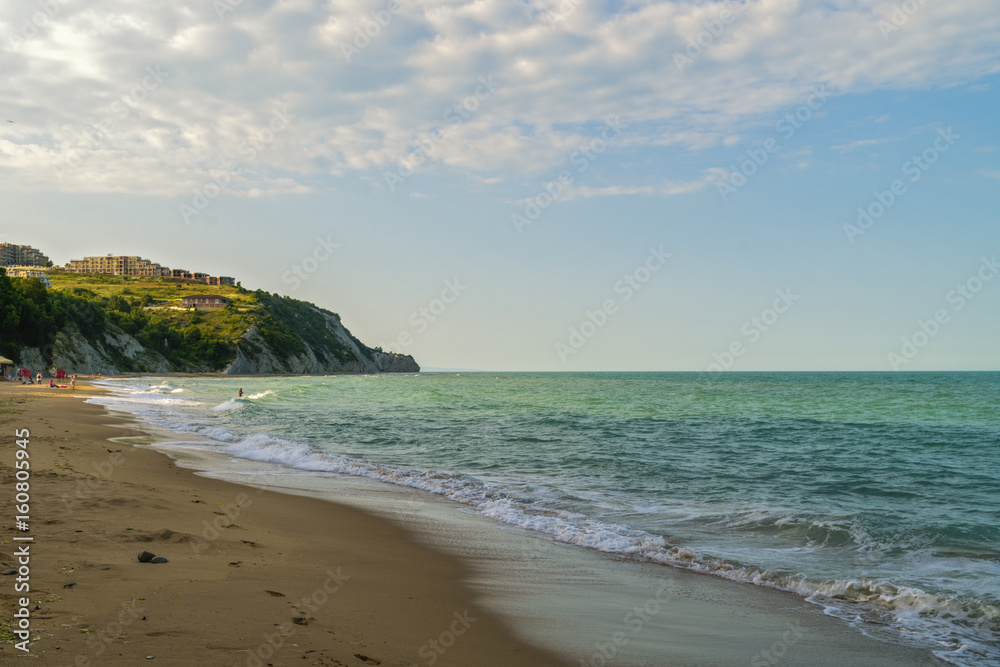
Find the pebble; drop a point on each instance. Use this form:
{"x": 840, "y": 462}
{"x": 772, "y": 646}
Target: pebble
{"x": 159, "y": 559}
{"x": 146, "y": 556}
{"x": 9, "y": 572}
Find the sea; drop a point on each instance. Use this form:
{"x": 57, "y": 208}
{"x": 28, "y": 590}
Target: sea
{"x": 875, "y": 496}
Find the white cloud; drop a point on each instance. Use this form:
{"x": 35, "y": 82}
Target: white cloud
{"x": 560, "y": 75}
{"x": 664, "y": 189}
{"x": 860, "y": 143}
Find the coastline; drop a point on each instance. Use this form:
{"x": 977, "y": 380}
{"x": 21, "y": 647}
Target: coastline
{"x": 284, "y": 577}
{"x": 409, "y": 585}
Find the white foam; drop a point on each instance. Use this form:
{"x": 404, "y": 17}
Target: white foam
{"x": 262, "y": 394}
{"x": 231, "y": 404}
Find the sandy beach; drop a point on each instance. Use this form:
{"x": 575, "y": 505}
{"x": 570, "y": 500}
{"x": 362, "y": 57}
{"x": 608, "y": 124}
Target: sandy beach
{"x": 253, "y": 578}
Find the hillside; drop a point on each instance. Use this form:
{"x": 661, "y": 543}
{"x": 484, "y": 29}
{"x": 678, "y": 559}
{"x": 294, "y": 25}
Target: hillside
{"x": 93, "y": 323}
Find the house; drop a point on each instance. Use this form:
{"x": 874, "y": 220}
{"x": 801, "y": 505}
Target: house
{"x": 27, "y": 272}
{"x": 220, "y": 280}
{"x": 205, "y": 301}
{"x": 184, "y": 274}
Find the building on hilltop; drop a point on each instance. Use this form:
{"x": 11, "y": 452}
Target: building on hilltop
{"x": 205, "y": 301}
{"x": 117, "y": 265}
{"x": 131, "y": 265}
{"x": 184, "y": 274}
{"x": 21, "y": 255}
{"x": 220, "y": 280}
{"x": 28, "y": 272}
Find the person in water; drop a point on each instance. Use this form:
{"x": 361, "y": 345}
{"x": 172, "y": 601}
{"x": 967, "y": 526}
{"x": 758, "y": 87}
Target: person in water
{"x": 240, "y": 395}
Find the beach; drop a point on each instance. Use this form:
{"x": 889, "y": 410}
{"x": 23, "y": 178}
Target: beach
{"x": 324, "y": 574}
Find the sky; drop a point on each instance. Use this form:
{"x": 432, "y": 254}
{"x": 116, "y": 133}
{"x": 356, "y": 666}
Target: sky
{"x": 539, "y": 185}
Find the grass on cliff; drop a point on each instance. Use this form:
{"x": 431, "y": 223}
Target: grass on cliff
{"x": 149, "y": 309}
{"x": 161, "y": 291}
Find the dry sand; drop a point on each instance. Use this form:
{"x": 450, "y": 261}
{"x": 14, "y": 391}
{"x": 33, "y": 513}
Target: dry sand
{"x": 284, "y": 580}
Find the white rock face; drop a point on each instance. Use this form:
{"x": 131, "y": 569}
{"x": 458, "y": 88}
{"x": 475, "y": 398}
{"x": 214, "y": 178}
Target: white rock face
{"x": 118, "y": 352}
{"x": 256, "y": 357}
{"x": 75, "y": 354}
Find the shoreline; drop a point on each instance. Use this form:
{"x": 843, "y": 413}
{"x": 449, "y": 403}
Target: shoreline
{"x": 577, "y": 603}
{"x": 254, "y": 577}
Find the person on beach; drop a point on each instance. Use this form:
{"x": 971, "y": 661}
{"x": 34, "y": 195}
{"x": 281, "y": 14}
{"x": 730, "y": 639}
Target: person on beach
{"x": 72, "y": 383}
{"x": 52, "y": 383}
{"x": 240, "y": 394}
{"x": 38, "y": 380}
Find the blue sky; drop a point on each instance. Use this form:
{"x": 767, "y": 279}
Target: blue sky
{"x": 536, "y": 185}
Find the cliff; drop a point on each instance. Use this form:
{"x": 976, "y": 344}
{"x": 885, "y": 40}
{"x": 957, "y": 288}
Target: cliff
{"x": 116, "y": 324}
{"x": 255, "y": 356}
{"x": 117, "y": 352}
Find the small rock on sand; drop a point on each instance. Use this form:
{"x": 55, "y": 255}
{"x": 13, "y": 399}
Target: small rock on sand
{"x": 159, "y": 559}
{"x": 146, "y": 556}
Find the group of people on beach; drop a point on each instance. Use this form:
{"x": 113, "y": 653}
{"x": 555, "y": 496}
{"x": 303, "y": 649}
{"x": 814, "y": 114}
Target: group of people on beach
{"x": 38, "y": 380}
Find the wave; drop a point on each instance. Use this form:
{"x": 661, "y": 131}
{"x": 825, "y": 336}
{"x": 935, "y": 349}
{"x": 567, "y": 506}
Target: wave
{"x": 232, "y": 404}
{"x": 262, "y": 394}
{"x": 147, "y": 398}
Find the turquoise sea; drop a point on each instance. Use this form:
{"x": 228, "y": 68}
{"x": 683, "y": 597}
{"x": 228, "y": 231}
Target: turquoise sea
{"x": 874, "y": 495}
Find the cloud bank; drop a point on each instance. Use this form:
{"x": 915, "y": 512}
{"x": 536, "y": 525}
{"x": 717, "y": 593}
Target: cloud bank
{"x": 264, "y": 98}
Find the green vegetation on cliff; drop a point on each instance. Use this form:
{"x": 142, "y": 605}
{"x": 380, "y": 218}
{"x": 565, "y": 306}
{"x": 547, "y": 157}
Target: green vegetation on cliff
{"x": 31, "y": 315}
{"x": 149, "y": 310}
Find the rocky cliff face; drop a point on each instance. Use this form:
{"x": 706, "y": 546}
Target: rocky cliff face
{"x": 118, "y": 352}
{"x": 256, "y": 357}
{"x": 75, "y": 354}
